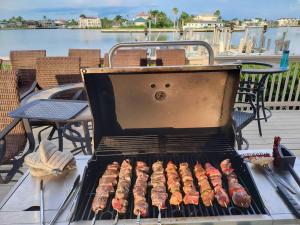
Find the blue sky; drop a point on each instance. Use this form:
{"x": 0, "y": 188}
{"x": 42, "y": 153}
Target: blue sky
{"x": 67, "y": 9}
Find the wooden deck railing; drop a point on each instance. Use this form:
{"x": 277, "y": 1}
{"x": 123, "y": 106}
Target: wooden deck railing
{"x": 282, "y": 90}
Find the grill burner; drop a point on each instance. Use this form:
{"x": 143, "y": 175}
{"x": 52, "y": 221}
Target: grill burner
{"x": 109, "y": 154}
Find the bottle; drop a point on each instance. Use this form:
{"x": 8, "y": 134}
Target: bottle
{"x": 284, "y": 63}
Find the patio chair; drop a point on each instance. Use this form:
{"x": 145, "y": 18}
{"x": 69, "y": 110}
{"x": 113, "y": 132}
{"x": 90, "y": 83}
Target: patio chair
{"x": 88, "y": 57}
{"x": 128, "y": 58}
{"x": 54, "y": 71}
{"x": 25, "y": 63}
{"x": 243, "y": 118}
{"x": 170, "y": 57}
{"x": 14, "y": 133}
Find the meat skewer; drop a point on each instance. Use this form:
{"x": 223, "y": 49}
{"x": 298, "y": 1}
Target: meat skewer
{"x": 140, "y": 190}
{"x": 106, "y": 185}
{"x": 173, "y": 183}
{"x": 215, "y": 178}
{"x": 191, "y": 195}
{"x": 158, "y": 191}
{"x": 119, "y": 202}
{"x": 206, "y": 192}
{"x": 237, "y": 192}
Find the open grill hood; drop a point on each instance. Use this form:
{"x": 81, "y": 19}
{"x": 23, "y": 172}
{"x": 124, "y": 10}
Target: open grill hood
{"x": 161, "y": 100}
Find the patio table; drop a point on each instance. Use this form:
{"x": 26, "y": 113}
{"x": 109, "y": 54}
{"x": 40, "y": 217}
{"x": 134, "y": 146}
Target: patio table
{"x": 83, "y": 117}
{"x": 259, "y": 88}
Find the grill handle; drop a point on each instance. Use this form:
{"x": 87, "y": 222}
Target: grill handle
{"x": 162, "y": 44}
{"x": 289, "y": 200}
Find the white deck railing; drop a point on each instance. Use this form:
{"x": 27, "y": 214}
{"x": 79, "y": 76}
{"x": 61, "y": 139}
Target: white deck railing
{"x": 282, "y": 90}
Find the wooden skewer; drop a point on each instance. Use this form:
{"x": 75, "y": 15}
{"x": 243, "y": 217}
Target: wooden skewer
{"x": 211, "y": 204}
{"x": 225, "y": 204}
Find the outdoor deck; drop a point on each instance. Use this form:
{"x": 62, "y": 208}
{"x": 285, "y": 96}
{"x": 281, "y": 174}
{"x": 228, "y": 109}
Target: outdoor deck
{"x": 285, "y": 124}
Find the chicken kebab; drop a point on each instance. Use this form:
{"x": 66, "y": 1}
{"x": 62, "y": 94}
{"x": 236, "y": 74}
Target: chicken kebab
{"x": 106, "y": 187}
{"x": 120, "y": 202}
{"x": 237, "y": 192}
{"x": 215, "y": 178}
{"x": 206, "y": 192}
{"x": 174, "y": 185}
{"x": 191, "y": 195}
{"x": 140, "y": 189}
{"x": 158, "y": 191}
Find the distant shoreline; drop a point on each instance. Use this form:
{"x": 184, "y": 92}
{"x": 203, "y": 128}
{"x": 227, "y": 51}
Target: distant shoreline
{"x": 136, "y": 30}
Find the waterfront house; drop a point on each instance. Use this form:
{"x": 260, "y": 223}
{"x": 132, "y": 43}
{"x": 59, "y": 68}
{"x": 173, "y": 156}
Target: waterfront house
{"x": 143, "y": 15}
{"x": 204, "y": 21}
{"x": 140, "y": 21}
{"x": 89, "y": 22}
{"x": 3, "y": 24}
{"x": 60, "y": 23}
{"x": 285, "y": 22}
{"x": 32, "y": 24}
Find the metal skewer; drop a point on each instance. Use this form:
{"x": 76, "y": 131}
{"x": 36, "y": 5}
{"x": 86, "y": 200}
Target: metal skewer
{"x": 159, "y": 216}
{"x": 138, "y": 219}
{"x": 94, "y": 218}
{"x": 116, "y": 219}
{"x": 42, "y": 212}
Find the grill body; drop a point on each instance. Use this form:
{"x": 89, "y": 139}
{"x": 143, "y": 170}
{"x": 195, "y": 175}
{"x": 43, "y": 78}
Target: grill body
{"x": 181, "y": 114}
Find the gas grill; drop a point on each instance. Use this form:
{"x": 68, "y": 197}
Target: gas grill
{"x": 181, "y": 114}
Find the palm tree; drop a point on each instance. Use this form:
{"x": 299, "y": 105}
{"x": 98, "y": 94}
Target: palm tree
{"x": 175, "y": 12}
{"x": 154, "y": 14}
{"x": 118, "y": 19}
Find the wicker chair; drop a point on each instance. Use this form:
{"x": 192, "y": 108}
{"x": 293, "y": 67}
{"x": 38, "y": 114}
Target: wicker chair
{"x": 13, "y": 136}
{"x": 170, "y": 57}
{"x": 127, "y": 58}
{"x": 53, "y": 71}
{"x": 88, "y": 57}
{"x": 25, "y": 63}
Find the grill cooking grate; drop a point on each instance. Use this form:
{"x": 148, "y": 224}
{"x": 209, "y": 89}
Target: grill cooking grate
{"x": 210, "y": 141}
{"x": 98, "y": 165}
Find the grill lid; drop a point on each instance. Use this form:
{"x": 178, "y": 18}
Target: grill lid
{"x": 160, "y": 100}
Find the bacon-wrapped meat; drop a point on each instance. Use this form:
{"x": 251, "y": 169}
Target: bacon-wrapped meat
{"x": 120, "y": 203}
{"x": 237, "y": 192}
{"x": 158, "y": 182}
{"x": 106, "y": 185}
{"x": 173, "y": 182}
{"x": 191, "y": 195}
{"x": 206, "y": 192}
{"x": 215, "y": 178}
{"x": 140, "y": 189}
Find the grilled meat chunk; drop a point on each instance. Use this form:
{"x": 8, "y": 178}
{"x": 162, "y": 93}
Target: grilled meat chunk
{"x": 215, "y": 178}
{"x": 237, "y": 192}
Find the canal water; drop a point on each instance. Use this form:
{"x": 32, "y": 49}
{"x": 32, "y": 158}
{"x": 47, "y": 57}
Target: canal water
{"x": 58, "y": 41}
